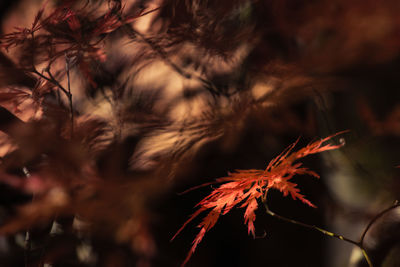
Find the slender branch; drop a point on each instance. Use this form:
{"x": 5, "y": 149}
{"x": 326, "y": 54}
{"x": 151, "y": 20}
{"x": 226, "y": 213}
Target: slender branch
{"x": 55, "y": 82}
{"x": 27, "y": 241}
{"x": 69, "y": 95}
{"x": 67, "y": 91}
{"x": 325, "y": 232}
{"x": 27, "y": 248}
{"x": 379, "y": 215}
{"x": 132, "y": 33}
{"x": 50, "y": 80}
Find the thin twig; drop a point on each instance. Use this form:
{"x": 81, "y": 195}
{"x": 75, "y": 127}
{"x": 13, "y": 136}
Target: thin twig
{"x": 325, "y": 232}
{"x": 27, "y": 247}
{"x": 69, "y": 95}
{"x": 55, "y": 82}
{"x": 270, "y": 212}
{"x": 27, "y": 241}
{"x": 379, "y": 215}
{"x": 67, "y": 92}
{"x": 132, "y": 33}
{"x": 50, "y": 80}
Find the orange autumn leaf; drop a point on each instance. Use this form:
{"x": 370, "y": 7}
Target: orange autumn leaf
{"x": 246, "y": 187}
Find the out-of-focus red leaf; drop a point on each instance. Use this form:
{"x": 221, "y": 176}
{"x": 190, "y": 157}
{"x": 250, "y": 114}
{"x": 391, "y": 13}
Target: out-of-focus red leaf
{"x": 73, "y": 21}
{"x": 38, "y": 17}
{"x": 389, "y": 125}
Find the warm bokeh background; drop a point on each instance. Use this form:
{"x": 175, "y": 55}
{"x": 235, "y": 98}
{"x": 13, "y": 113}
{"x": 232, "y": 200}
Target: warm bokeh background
{"x": 180, "y": 96}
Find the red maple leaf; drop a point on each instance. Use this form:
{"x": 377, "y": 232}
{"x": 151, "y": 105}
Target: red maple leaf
{"x": 244, "y": 188}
